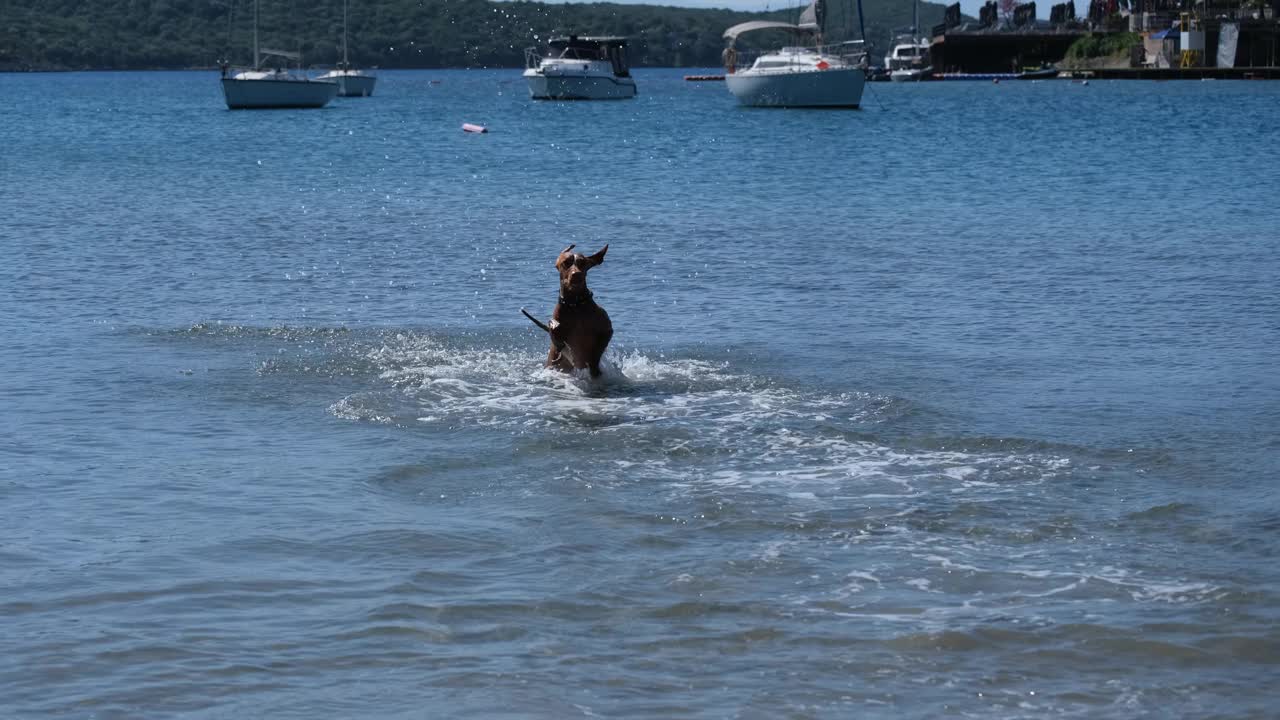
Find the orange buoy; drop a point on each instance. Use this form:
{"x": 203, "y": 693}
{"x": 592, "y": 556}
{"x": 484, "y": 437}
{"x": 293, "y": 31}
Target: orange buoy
{"x": 468, "y": 127}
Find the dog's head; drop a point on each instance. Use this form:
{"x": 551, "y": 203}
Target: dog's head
{"x": 573, "y": 269}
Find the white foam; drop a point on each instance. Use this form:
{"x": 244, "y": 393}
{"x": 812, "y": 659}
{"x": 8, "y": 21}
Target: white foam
{"x": 920, "y": 584}
{"x": 715, "y": 427}
{"x": 1065, "y": 588}
{"x": 1144, "y": 589}
{"x": 772, "y": 551}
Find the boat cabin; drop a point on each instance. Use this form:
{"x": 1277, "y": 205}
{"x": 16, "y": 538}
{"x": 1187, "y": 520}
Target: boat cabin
{"x": 909, "y": 52}
{"x": 908, "y": 56}
{"x": 612, "y": 50}
{"x": 786, "y": 58}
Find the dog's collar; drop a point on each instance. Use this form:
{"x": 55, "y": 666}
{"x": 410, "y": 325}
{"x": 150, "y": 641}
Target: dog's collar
{"x": 580, "y": 299}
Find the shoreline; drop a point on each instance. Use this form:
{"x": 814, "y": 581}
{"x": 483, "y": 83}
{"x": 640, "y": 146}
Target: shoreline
{"x": 1152, "y": 74}
{"x": 216, "y": 68}
{"x": 1204, "y": 73}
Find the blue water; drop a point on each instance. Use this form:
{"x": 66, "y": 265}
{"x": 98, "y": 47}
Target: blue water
{"x": 964, "y": 404}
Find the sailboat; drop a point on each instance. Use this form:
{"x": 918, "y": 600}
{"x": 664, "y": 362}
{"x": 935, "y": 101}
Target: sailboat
{"x": 257, "y": 88}
{"x": 807, "y": 74}
{"x": 908, "y": 60}
{"x": 351, "y": 82}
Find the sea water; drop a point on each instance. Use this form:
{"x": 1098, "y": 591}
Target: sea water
{"x": 964, "y": 404}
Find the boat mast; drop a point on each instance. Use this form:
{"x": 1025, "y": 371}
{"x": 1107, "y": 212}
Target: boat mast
{"x": 345, "y": 64}
{"x": 257, "y": 61}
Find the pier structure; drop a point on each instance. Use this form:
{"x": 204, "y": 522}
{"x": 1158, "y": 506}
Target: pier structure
{"x": 1179, "y": 38}
{"x": 1008, "y": 45}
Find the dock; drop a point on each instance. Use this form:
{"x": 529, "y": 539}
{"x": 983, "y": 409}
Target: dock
{"x": 1200, "y": 73}
{"x": 1161, "y": 41}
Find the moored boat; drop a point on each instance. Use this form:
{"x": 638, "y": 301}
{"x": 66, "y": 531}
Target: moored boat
{"x": 267, "y": 89}
{"x": 799, "y": 77}
{"x": 908, "y": 61}
{"x": 908, "y": 58}
{"x": 580, "y": 68}
{"x": 796, "y": 76}
{"x": 256, "y": 88}
{"x": 351, "y": 82}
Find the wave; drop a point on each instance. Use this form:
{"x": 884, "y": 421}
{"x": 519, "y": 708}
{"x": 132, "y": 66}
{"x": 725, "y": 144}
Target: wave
{"x": 691, "y": 422}
{"x": 680, "y": 420}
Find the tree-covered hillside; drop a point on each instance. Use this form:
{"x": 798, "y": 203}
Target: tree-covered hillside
{"x": 138, "y": 34}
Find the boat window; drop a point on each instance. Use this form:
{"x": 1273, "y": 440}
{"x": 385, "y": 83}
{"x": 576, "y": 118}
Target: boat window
{"x": 582, "y": 53}
{"x": 618, "y": 57}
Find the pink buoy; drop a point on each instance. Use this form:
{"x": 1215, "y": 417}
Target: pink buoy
{"x": 468, "y": 127}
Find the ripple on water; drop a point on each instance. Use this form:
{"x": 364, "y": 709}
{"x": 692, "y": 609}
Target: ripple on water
{"x": 680, "y": 418}
{"x": 725, "y": 512}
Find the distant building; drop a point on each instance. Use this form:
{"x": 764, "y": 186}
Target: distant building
{"x": 1234, "y": 34}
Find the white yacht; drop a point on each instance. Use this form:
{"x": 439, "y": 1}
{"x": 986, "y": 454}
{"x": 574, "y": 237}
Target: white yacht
{"x": 257, "y": 88}
{"x": 807, "y": 75}
{"x": 908, "y": 61}
{"x": 351, "y": 82}
{"x": 580, "y": 68}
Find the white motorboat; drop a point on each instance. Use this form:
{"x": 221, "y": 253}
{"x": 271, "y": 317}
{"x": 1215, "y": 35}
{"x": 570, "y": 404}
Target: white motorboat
{"x": 908, "y": 60}
{"x": 580, "y": 68}
{"x": 257, "y": 88}
{"x": 814, "y": 75}
{"x": 351, "y": 82}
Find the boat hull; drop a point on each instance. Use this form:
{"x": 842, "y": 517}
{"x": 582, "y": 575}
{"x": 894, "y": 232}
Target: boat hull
{"x": 839, "y": 87}
{"x": 353, "y": 84}
{"x": 262, "y": 94}
{"x": 912, "y": 75}
{"x": 579, "y": 87}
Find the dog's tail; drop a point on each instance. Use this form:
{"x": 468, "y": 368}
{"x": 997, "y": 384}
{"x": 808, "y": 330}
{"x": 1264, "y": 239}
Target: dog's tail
{"x": 536, "y": 321}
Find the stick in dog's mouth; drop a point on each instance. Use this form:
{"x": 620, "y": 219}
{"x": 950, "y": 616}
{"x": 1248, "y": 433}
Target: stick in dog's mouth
{"x": 536, "y": 321}
{"x": 561, "y": 346}
{"x": 547, "y": 328}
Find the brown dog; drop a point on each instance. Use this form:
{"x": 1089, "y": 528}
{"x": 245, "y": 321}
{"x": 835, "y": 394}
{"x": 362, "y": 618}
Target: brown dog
{"x": 580, "y": 329}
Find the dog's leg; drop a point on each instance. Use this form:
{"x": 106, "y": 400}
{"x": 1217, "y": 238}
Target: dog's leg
{"x": 560, "y": 359}
{"x": 597, "y": 352}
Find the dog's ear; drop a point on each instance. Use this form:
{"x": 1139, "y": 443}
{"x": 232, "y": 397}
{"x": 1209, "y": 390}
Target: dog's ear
{"x": 598, "y": 258}
{"x": 562, "y": 253}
